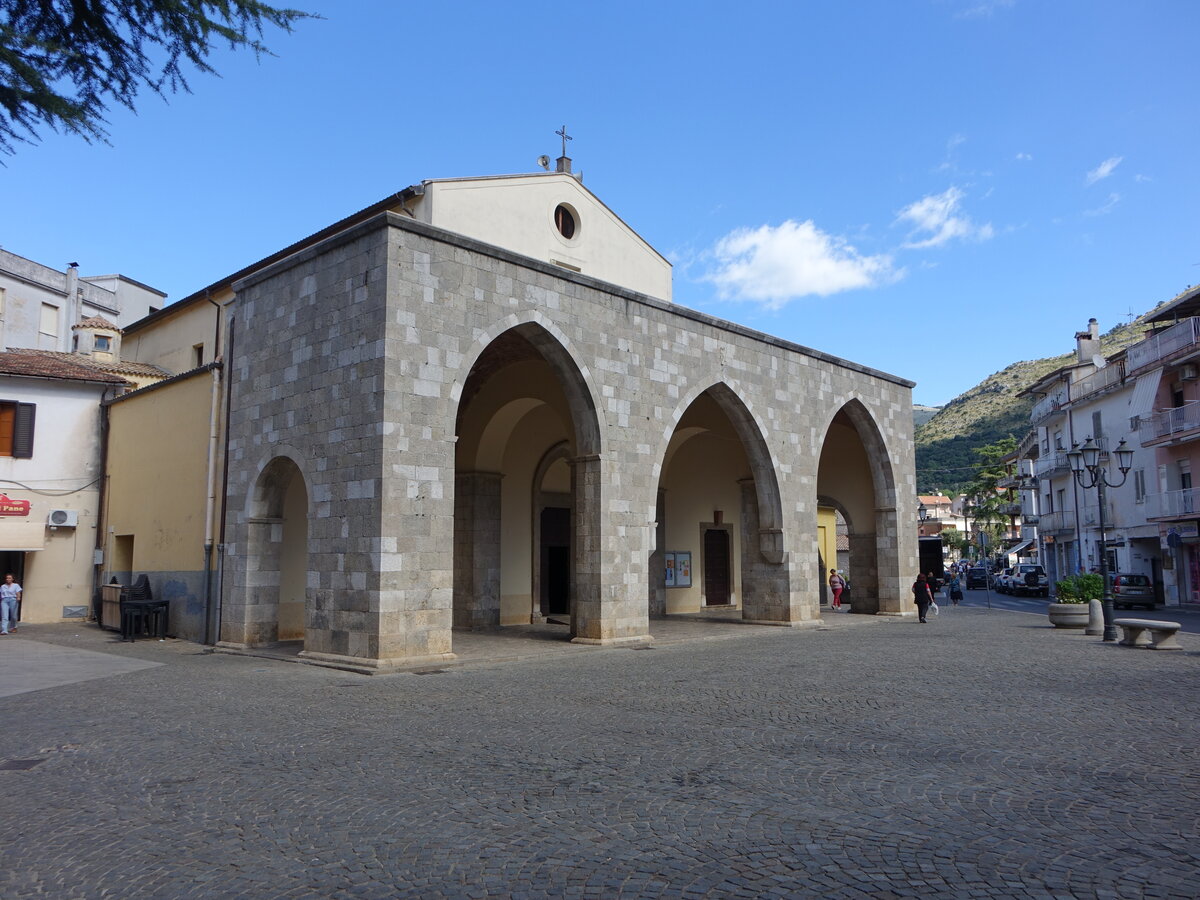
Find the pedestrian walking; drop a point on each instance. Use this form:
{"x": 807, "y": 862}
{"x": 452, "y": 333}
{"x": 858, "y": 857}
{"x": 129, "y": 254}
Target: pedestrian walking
{"x": 923, "y": 596}
{"x": 955, "y": 588}
{"x": 10, "y": 596}
{"x": 837, "y": 584}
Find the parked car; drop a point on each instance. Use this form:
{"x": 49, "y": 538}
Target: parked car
{"x": 1129, "y": 591}
{"x": 1002, "y": 582}
{"x": 1029, "y": 579}
{"x": 977, "y": 577}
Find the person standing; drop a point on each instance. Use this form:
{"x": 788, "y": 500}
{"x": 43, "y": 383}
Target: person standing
{"x": 955, "y": 588}
{"x": 837, "y": 584}
{"x": 10, "y": 596}
{"x": 923, "y": 597}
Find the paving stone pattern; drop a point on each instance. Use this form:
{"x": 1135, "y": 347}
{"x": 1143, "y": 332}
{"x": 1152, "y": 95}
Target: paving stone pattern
{"x": 982, "y": 755}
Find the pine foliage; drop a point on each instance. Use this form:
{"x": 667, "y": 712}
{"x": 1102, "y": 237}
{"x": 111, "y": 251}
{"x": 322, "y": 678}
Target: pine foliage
{"x": 64, "y": 62}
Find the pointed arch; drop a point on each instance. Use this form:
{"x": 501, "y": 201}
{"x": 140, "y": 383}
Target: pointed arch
{"x": 855, "y": 474}
{"x": 763, "y": 585}
{"x": 763, "y": 466}
{"x": 556, "y": 349}
{"x": 492, "y": 412}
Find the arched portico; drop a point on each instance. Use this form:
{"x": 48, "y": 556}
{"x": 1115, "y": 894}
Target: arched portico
{"x": 273, "y": 605}
{"x": 855, "y": 475}
{"x": 527, "y": 462}
{"x": 719, "y": 512}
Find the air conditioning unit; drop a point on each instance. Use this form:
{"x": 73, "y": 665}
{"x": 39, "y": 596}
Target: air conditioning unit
{"x": 63, "y": 518}
{"x": 1188, "y": 373}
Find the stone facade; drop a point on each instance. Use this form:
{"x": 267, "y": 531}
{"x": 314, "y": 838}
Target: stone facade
{"x": 350, "y": 360}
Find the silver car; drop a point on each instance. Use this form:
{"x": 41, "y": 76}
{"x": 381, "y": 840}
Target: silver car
{"x": 1129, "y": 591}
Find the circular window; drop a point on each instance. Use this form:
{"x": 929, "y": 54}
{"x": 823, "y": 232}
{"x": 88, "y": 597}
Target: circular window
{"x": 564, "y": 221}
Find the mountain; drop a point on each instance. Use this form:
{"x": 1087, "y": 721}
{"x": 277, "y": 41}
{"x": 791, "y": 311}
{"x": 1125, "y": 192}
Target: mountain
{"x": 989, "y": 411}
{"x": 922, "y": 414}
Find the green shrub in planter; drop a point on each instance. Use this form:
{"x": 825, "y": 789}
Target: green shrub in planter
{"x": 1079, "y": 588}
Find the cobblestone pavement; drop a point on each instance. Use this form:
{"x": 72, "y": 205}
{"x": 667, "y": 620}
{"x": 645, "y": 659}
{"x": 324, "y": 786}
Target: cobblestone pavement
{"x": 982, "y": 755}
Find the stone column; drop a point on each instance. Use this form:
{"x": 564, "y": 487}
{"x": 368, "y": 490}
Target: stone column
{"x": 477, "y": 549}
{"x": 587, "y": 614}
{"x": 657, "y": 598}
{"x": 864, "y": 574}
{"x": 765, "y": 588}
{"x": 892, "y": 583}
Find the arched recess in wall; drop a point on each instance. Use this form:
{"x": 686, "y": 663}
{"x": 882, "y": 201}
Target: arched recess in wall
{"x": 855, "y": 475}
{"x": 719, "y": 512}
{"x": 527, "y": 433}
{"x": 279, "y": 609}
{"x": 833, "y": 552}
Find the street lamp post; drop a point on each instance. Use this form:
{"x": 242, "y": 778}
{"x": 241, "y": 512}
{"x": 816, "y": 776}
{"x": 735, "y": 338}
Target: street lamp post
{"x": 1089, "y": 473}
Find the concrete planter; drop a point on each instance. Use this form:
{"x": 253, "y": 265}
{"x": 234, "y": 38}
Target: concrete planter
{"x": 1068, "y": 615}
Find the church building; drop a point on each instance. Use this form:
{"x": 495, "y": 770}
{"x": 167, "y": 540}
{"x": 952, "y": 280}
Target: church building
{"x": 474, "y": 405}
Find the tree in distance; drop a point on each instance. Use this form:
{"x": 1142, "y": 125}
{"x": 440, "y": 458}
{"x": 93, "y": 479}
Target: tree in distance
{"x": 63, "y": 62}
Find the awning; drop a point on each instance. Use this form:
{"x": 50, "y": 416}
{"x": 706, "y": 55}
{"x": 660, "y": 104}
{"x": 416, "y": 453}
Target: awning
{"x": 1144, "y": 391}
{"x": 1024, "y": 545}
{"x": 21, "y": 534}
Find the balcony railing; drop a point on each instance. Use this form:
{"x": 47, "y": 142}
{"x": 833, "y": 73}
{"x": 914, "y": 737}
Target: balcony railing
{"x": 1049, "y": 465}
{"x": 1173, "y": 504}
{"x": 1163, "y": 345}
{"x": 1169, "y": 422}
{"x": 1100, "y": 380}
{"x": 1049, "y": 404}
{"x": 1059, "y": 520}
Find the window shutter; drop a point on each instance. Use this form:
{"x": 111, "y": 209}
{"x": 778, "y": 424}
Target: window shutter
{"x": 23, "y": 431}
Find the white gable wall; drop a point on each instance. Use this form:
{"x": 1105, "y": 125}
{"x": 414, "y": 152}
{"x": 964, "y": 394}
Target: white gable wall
{"x": 517, "y": 213}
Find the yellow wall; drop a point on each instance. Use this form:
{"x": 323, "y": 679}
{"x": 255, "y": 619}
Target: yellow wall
{"x": 536, "y": 432}
{"x": 169, "y": 341}
{"x": 157, "y": 464}
{"x": 59, "y": 574}
{"x": 705, "y": 462}
{"x": 827, "y": 541}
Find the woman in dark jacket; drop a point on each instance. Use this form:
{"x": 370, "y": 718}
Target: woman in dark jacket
{"x": 922, "y": 595}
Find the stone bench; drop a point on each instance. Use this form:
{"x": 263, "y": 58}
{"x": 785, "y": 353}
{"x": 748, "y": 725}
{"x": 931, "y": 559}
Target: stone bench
{"x": 1161, "y": 634}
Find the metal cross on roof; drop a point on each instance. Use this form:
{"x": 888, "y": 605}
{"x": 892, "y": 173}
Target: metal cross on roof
{"x": 565, "y": 137}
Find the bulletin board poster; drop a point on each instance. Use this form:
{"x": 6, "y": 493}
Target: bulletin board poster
{"x": 679, "y": 568}
{"x": 683, "y": 569}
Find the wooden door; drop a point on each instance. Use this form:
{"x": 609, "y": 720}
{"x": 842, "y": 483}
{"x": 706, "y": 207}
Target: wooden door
{"x": 716, "y": 567}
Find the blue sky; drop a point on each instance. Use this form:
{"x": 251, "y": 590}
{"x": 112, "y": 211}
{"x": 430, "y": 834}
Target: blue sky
{"x": 934, "y": 188}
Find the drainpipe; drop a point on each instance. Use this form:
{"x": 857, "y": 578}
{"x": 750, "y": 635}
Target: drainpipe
{"x": 101, "y": 503}
{"x": 215, "y": 608}
{"x": 214, "y": 421}
{"x": 214, "y": 428}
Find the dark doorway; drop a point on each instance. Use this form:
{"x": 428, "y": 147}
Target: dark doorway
{"x": 716, "y": 567}
{"x": 556, "y": 561}
{"x": 13, "y": 561}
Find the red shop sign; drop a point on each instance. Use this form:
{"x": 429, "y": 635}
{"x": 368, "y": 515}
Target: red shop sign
{"x": 13, "y": 507}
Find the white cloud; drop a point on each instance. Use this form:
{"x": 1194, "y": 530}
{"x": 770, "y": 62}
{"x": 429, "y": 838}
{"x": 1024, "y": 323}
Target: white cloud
{"x": 1142, "y": 179}
{"x": 1113, "y": 200}
{"x": 983, "y": 9}
{"x": 1025, "y": 157}
{"x": 1103, "y": 170}
{"x": 937, "y": 220}
{"x": 776, "y": 264}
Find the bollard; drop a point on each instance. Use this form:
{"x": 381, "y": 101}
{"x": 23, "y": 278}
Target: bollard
{"x": 1095, "y": 623}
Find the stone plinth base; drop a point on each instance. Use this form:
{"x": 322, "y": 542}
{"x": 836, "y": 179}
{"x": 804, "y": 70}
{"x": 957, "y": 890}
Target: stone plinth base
{"x": 805, "y": 623}
{"x": 613, "y": 642}
{"x": 373, "y": 666}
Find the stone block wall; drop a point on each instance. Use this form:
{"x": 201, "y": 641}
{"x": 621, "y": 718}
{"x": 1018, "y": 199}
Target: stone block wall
{"x": 352, "y": 358}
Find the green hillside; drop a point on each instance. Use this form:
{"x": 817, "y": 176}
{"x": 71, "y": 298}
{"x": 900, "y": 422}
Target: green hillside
{"x": 989, "y": 411}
